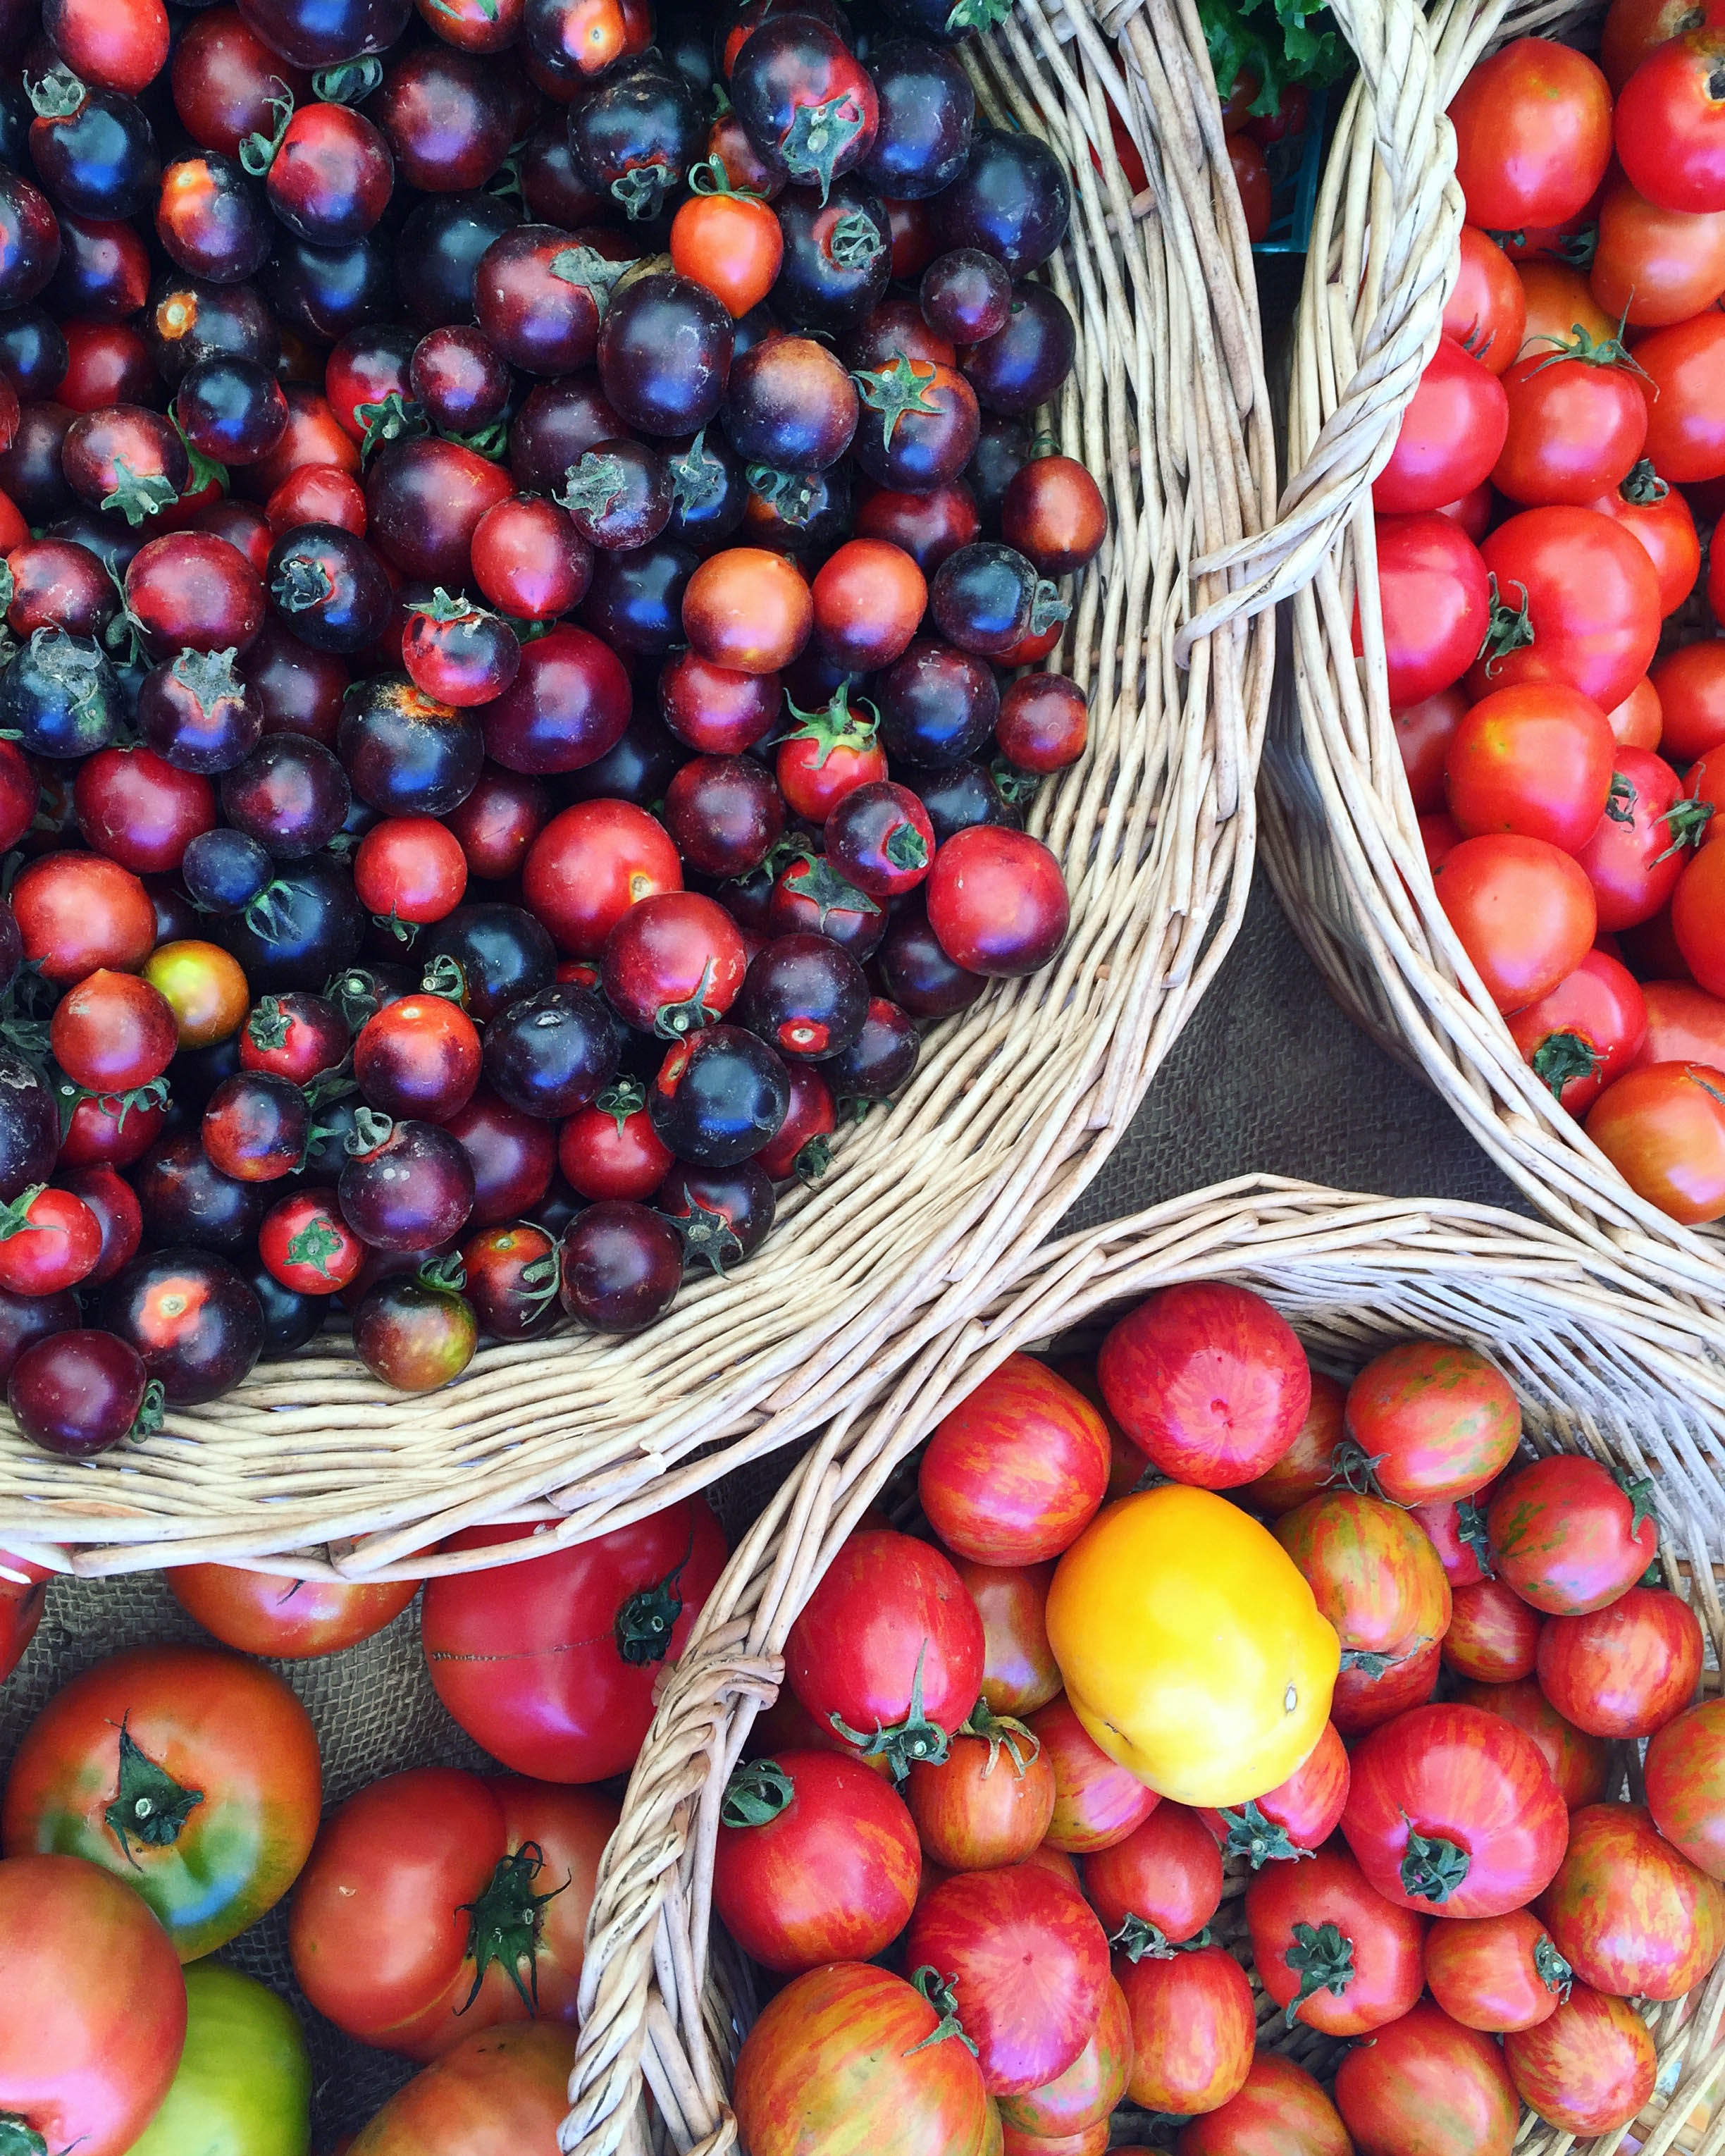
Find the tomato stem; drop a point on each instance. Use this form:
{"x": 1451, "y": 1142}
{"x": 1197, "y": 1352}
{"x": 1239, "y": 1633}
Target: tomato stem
{"x": 1352, "y": 1467}
{"x": 707, "y": 1234}
{"x": 1471, "y": 1529}
{"x": 1643, "y": 485}
{"x": 18, "y": 2138}
{"x": 814, "y": 1156}
{"x": 148, "y": 1805}
{"x": 642, "y": 189}
{"x": 645, "y": 1622}
{"x": 944, "y": 2001}
{"x": 757, "y": 1792}
{"x": 818, "y": 136}
{"x": 1001, "y": 1733}
{"x": 1433, "y": 1868}
{"x": 348, "y": 82}
{"x": 1323, "y": 1957}
{"x": 397, "y": 418}
{"x": 1561, "y": 1057}
{"x": 895, "y": 389}
{"x": 1555, "y": 1972}
{"x": 904, "y": 1745}
{"x": 1259, "y": 1840}
{"x": 834, "y": 725}
{"x": 1508, "y": 628}
{"x": 504, "y": 1924}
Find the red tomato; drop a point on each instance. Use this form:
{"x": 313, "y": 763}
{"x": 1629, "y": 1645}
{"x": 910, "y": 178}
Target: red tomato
{"x": 1019, "y": 1672}
{"x": 816, "y": 1860}
{"x": 1330, "y": 1950}
{"x": 1097, "y": 1803}
{"x": 1684, "y": 385}
{"x": 986, "y": 1805}
{"x": 1423, "y": 734}
{"x": 1577, "y": 421}
{"x": 1662, "y": 1127}
{"x": 497, "y": 1643}
{"x": 288, "y": 1620}
{"x": 1028, "y": 1961}
{"x": 49, "y": 1239}
{"x": 1652, "y": 266}
{"x": 1297, "y": 1815}
{"x": 1451, "y": 433}
{"x": 1495, "y": 1973}
{"x": 1522, "y": 911}
{"x": 1014, "y": 1473}
{"x": 1434, "y": 595}
{"x": 88, "y": 2062}
{"x": 1629, "y": 1914}
{"x": 1426, "y": 2083}
{"x": 1624, "y": 1671}
{"x": 1685, "y": 1773}
{"x": 1568, "y": 1536}
{"x": 1305, "y": 1469}
{"x": 1580, "y": 1765}
{"x": 590, "y": 864}
{"x": 1637, "y": 722}
{"x": 1252, "y": 176}
{"x": 1457, "y": 1529}
{"x": 1690, "y": 683}
{"x": 1472, "y": 511}
{"x": 1429, "y": 1420}
{"x": 500, "y": 2093}
{"x": 1487, "y": 311}
{"x": 1278, "y": 2111}
{"x": 24, "y": 1594}
{"x": 1193, "y": 2025}
{"x": 888, "y": 1649}
{"x": 1535, "y": 759}
{"x": 1493, "y": 1635}
{"x": 1208, "y": 1380}
{"x": 1698, "y": 917}
{"x": 1585, "y": 1033}
{"x": 437, "y": 1902}
{"x": 1633, "y": 27}
{"x": 1453, "y": 1810}
{"x": 1685, "y": 1024}
{"x": 1636, "y": 852}
{"x": 1089, "y": 2087}
{"x": 1532, "y": 135}
{"x": 1590, "y": 2068}
{"x": 1166, "y": 1877}
{"x": 849, "y": 2051}
{"x": 1557, "y": 301}
{"x": 1668, "y": 126}
{"x": 1578, "y": 604}
{"x": 1374, "y": 1573}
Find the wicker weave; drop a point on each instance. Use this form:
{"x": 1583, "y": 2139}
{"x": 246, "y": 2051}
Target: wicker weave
{"x": 1602, "y": 1363}
{"x": 1340, "y": 838}
{"x": 1016, "y": 1103}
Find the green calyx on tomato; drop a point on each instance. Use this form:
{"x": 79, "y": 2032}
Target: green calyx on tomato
{"x": 1554, "y": 1973}
{"x": 503, "y": 1924}
{"x": 1620, "y": 798}
{"x": 1433, "y": 1868}
{"x": 1139, "y": 1940}
{"x": 915, "y": 1741}
{"x": 18, "y": 2138}
{"x": 395, "y": 418}
{"x": 814, "y": 1156}
{"x": 1639, "y": 1489}
{"x": 793, "y": 496}
{"x": 893, "y": 390}
{"x": 585, "y": 266}
{"x": 1508, "y": 629}
{"x": 1321, "y": 1956}
{"x": 149, "y": 1805}
{"x": 757, "y": 1793}
{"x": 1589, "y": 351}
{"x": 645, "y": 1622}
{"x": 623, "y": 1097}
{"x": 1643, "y": 485}
{"x": 1002, "y": 1733}
{"x": 592, "y": 485}
{"x": 1259, "y": 1840}
{"x": 1352, "y": 1467}
{"x": 944, "y": 2001}
{"x": 1688, "y": 821}
{"x": 856, "y": 240}
{"x": 1561, "y": 1057}
{"x": 641, "y": 190}
{"x": 832, "y": 725}
{"x": 906, "y": 847}
{"x": 818, "y": 136}
{"x": 672, "y": 1021}
{"x": 348, "y": 82}
{"x": 1576, "y": 248}
{"x": 707, "y": 1234}
{"x": 697, "y": 476}
{"x": 1367, "y": 1662}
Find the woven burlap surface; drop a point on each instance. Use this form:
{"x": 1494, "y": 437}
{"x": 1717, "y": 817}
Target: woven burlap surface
{"x": 1268, "y": 1075}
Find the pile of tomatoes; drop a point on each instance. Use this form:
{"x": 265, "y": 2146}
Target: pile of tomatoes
{"x": 1559, "y": 700}
{"x": 1192, "y": 1611}
{"x": 525, "y": 575}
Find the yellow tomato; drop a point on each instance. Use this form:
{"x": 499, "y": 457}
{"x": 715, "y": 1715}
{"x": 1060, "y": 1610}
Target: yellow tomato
{"x": 1193, "y": 1651}
{"x": 205, "y": 987}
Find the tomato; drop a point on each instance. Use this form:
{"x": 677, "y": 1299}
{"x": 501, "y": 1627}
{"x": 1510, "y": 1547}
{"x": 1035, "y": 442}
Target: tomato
{"x": 1279, "y": 2110}
{"x": 1670, "y": 124}
{"x": 1578, "y": 604}
{"x": 1434, "y": 595}
{"x": 1633, "y": 27}
{"x": 990, "y": 1802}
{"x": 1431, "y": 1420}
{"x": 1329, "y": 1949}
{"x": 1535, "y": 759}
{"x": 1014, "y": 1473}
{"x": 1580, "y": 1764}
{"x": 23, "y": 1595}
{"x": 1097, "y": 1801}
{"x": 1624, "y": 1671}
{"x": 1207, "y": 1379}
{"x": 1637, "y": 721}
{"x": 1019, "y": 1672}
{"x": 192, "y": 1775}
{"x": 1375, "y": 1573}
{"x": 204, "y": 988}
{"x": 1576, "y": 423}
{"x": 1371, "y": 1692}
{"x": 1252, "y": 176}
{"x": 1305, "y": 1469}
{"x": 1653, "y": 267}
{"x": 500, "y": 2093}
{"x": 1487, "y": 311}
{"x": 437, "y": 1902}
{"x": 1684, "y": 367}
{"x": 1453, "y": 1810}
{"x": 888, "y": 1649}
{"x": 1493, "y": 1635}
{"x": 1524, "y": 912}
{"x": 244, "y": 2087}
{"x": 1685, "y": 1024}
{"x": 1532, "y": 135}
{"x": 1585, "y": 1033}
{"x": 49, "y": 1239}
{"x": 1636, "y": 852}
{"x": 1690, "y": 683}
{"x": 848, "y": 2056}
{"x": 1427, "y": 2086}
{"x": 1685, "y": 1776}
{"x": 1089, "y": 2087}
{"x": 1496, "y": 1972}
{"x": 728, "y": 242}
{"x": 1193, "y": 1651}
{"x": 87, "y": 2064}
{"x": 1471, "y": 512}
{"x": 1450, "y": 434}
{"x": 1590, "y": 2068}
{"x": 1558, "y": 302}
{"x": 1698, "y": 917}
{"x": 1297, "y": 1815}
{"x": 1423, "y": 734}
{"x": 1662, "y": 1127}
{"x": 499, "y": 1643}
{"x": 1457, "y": 1531}
{"x": 1165, "y": 1878}
{"x": 1630, "y": 1912}
{"x": 261, "y": 1613}
{"x": 590, "y": 864}
{"x": 79, "y": 911}
{"x": 1193, "y": 2025}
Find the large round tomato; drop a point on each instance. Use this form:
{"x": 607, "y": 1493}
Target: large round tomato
{"x": 989, "y": 1803}
{"x": 551, "y": 1664}
{"x": 1568, "y": 1536}
{"x": 1089, "y": 2087}
{"x": 1193, "y": 2026}
{"x": 1662, "y": 1127}
{"x": 261, "y": 1613}
{"x": 1432, "y": 1420}
{"x": 99, "y": 2009}
{"x": 1629, "y": 1912}
{"x": 1493, "y": 1635}
{"x": 1584, "y": 1032}
{"x": 1576, "y": 425}
{"x": 1166, "y": 1876}
{"x": 437, "y": 1902}
{"x": 1684, "y": 383}
{"x": 1434, "y": 595}
{"x": 816, "y": 1860}
{"x": 1426, "y": 2086}
{"x": 1580, "y": 1765}
{"x": 1578, "y": 601}
{"x": 1097, "y": 1801}
{"x": 500, "y": 2093}
{"x": 1654, "y": 266}
{"x": 1496, "y": 1972}
{"x": 1659, "y": 516}
{"x": 1279, "y": 2110}
{"x": 244, "y": 2084}
{"x": 850, "y": 2055}
{"x": 1028, "y": 1963}
{"x": 888, "y": 1649}
{"x": 1019, "y": 1672}
{"x": 1299, "y": 1815}
{"x": 1374, "y": 1571}
{"x": 1487, "y": 311}
{"x": 1522, "y": 911}
{"x": 1624, "y": 1671}
{"x": 1193, "y": 1651}
{"x": 1532, "y": 135}
{"x": 192, "y": 1775}
{"x": 1453, "y": 1811}
{"x": 1685, "y": 1773}
{"x": 1590, "y": 2068}
{"x": 1451, "y": 433}
{"x": 1015, "y": 1472}
{"x": 1329, "y": 1949}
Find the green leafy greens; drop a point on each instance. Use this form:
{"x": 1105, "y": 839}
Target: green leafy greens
{"x": 1279, "y": 41}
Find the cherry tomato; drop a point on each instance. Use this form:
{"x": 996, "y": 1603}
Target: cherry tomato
{"x": 1019, "y": 1672}
{"x": 1487, "y": 311}
{"x": 1662, "y": 1127}
{"x": 1568, "y": 1536}
{"x": 1279, "y": 2110}
{"x": 1495, "y": 1973}
{"x": 1577, "y": 421}
{"x": 262, "y": 1613}
{"x": 1193, "y": 2025}
{"x": 1165, "y": 1878}
{"x": 989, "y": 1803}
{"x": 1532, "y": 135}
{"x": 1429, "y": 1420}
{"x": 1636, "y": 856}
{"x": 1583, "y": 1034}
{"x": 1450, "y": 434}
{"x": 1534, "y": 759}
{"x": 1098, "y": 1802}
{"x": 1690, "y": 683}
{"x": 1014, "y": 1472}
{"x": 1251, "y": 176}
{"x": 1524, "y": 913}
{"x": 1590, "y": 597}
{"x": 1436, "y": 604}
{"x": 1653, "y": 266}
{"x": 1683, "y": 1779}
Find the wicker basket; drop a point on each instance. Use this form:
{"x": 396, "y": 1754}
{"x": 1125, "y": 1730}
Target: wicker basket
{"x": 1602, "y": 1362}
{"x": 1015, "y": 1104}
{"x": 1339, "y": 835}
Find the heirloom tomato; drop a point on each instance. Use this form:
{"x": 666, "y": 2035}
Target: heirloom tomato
{"x": 1089, "y": 2087}
{"x": 1624, "y": 1671}
{"x": 1629, "y": 1914}
{"x": 1580, "y": 1764}
{"x": 1493, "y": 1635}
{"x": 1495, "y": 1973}
{"x": 1686, "y": 1785}
{"x": 1097, "y": 1801}
{"x": 1426, "y": 2086}
{"x": 1015, "y": 1471}
{"x": 1279, "y": 2110}
{"x": 1019, "y": 1672}
{"x": 1296, "y": 1816}
{"x": 1329, "y": 1949}
{"x": 500, "y": 2093}
{"x": 244, "y": 2084}
{"x": 1430, "y": 1420}
{"x": 1305, "y": 1469}
{"x": 990, "y": 1802}
{"x": 261, "y": 1613}
{"x": 1193, "y": 2026}
{"x": 1375, "y": 1575}
{"x": 1457, "y": 1529}
{"x": 1166, "y": 1877}
{"x": 1568, "y": 1536}
{"x": 1589, "y": 2068}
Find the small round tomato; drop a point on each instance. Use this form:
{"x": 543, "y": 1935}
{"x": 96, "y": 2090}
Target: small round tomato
{"x": 1098, "y": 1802}
{"x": 1451, "y": 433}
{"x": 1578, "y": 602}
{"x": 1496, "y": 1972}
{"x": 1193, "y": 2026}
{"x": 1493, "y": 1635}
{"x": 49, "y": 1239}
{"x": 1161, "y": 1885}
{"x": 1279, "y": 2110}
{"x": 1019, "y": 1672}
{"x": 261, "y": 1613}
{"x": 1589, "y": 2068}
{"x": 1659, "y": 516}
{"x": 1637, "y": 851}
{"x": 1014, "y": 1473}
{"x": 747, "y": 609}
{"x": 1662, "y": 1127}
{"x": 1690, "y": 684}
{"x": 1305, "y": 1469}
{"x": 1082, "y": 2096}
{"x": 1685, "y": 1773}
{"x": 1435, "y": 594}
{"x": 609, "y": 1149}
{"x": 590, "y": 864}
{"x": 1523, "y": 911}
{"x": 1698, "y": 917}
{"x": 1568, "y": 1536}
{"x": 409, "y": 869}
{"x": 512, "y": 2083}
{"x": 1296, "y": 1816}
{"x": 1577, "y": 421}
{"x": 1624, "y": 1671}
{"x": 1667, "y": 127}
{"x": 1536, "y": 759}
{"x": 989, "y": 1803}
{"x": 1632, "y": 1915}
{"x": 1375, "y": 1573}
{"x": 1684, "y": 385}
{"x": 1329, "y": 1949}
{"x": 1426, "y": 2080}
{"x": 727, "y": 241}
{"x": 308, "y": 1246}
{"x": 1432, "y": 1420}
{"x": 1487, "y": 311}
{"x": 1532, "y": 135}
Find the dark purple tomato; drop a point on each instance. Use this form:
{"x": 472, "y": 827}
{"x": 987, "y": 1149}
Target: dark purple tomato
{"x": 461, "y": 381}
{"x": 330, "y": 176}
{"x": 664, "y": 354}
{"x": 637, "y": 768}
{"x": 810, "y": 898}
{"x": 405, "y": 754}
{"x": 289, "y": 793}
{"x": 558, "y": 423}
{"x": 300, "y": 689}
{"x": 450, "y": 116}
{"x": 553, "y": 189}
{"x": 1011, "y": 200}
{"x": 126, "y": 461}
{"x": 927, "y": 526}
{"x": 405, "y": 1186}
{"x": 618, "y": 495}
{"x": 24, "y": 1318}
{"x": 437, "y": 255}
{"x": 708, "y": 489}
{"x": 635, "y": 136}
{"x": 196, "y": 712}
{"x": 318, "y": 34}
{"x": 568, "y": 704}
{"x": 719, "y": 1096}
{"x": 191, "y": 591}
{"x": 256, "y": 1126}
{"x": 223, "y": 870}
{"x": 622, "y": 1264}
{"x": 329, "y": 587}
{"x": 186, "y": 1198}
{"x": 231, "y": 410}
{"x": 1043, "y": 723}
{"x": 93, "y": 149}
{"x": 805, "y": 997}
{"x": 195, "y": 1321}
{"x": 189, "y": 319}
{"x": 791, "y": 405}
{"x": 30, "y": 470}
{"x": 513, "y": 1157}
{"x": 498, "y": 822}
{"x": 512, "y": 1280}
{"x": 424, "y": 500}
{"x": 29, "y": 1126}
{"x": 806, "y": 103}
{"x": 487, "y": 956}
{"x": 882, "y": 1058}
{"x": 986, "y": 598}
{"x": 102, "y": 281}
{"x": 917, "y": 973}
{"x": 965, "y": 295}
{"x": 937, "y": 704}
{"x": 323, "y": 292}
{"x": 879, "y": 837}
{"x": 76, "y": 1392}
{"x": 714, "y": 709}
{"x": 725, "y": 813}
{"x": 538, "y": 294}
{"x": 722, "y": 1213}
{"x": 414, "y": 1332}
{"x": 1023, "y": 364}
{"x": 211, "y": 220}
{"x": 920, "y": 427}
{"x": 928, "y": 115}
{"x": 60, "y": 698}
{"x": 312, "y": 928}
{"x": 634, "y": 601}
{"x": 298, "y": 1036}
{"x": 30, "y": 247}
{"x": 550, "y": 1053}
{"x": 290, "y": 1319}
{"x": 32, "y": 347}
{"x": 958, "y": 796}
{"x": 897, "y": 326}
{"x": 800, "y": 1146}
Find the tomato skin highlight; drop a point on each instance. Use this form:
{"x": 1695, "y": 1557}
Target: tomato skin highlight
{"x": 1662, "y": 1127}
{"x": 1019, "y": 1672}
{"x": 1487, "y": 311}
{"x": 1089, "y": 2087}
{"x": 1435, "y": 593}
{"x": 1098, "y": 1802}
{"x": 1532, "y": 135}
{"x": 500, "y": 2092}
{"x": 1684, "y": 367}
{"x": 1523, "y": 910}
{"x": 1166, "y": 1872}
